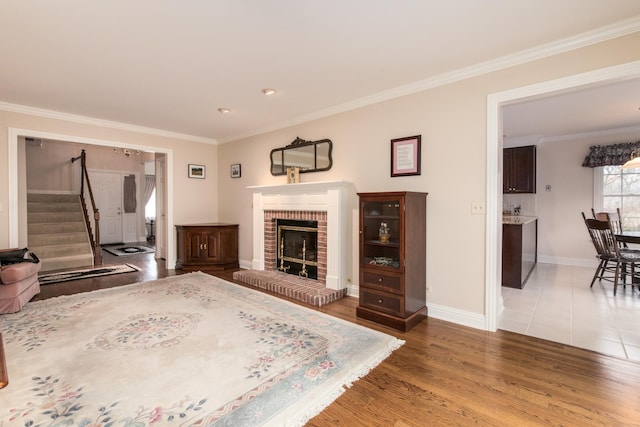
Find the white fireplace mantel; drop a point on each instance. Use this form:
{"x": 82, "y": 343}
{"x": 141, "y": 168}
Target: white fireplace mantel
{"x": 326, "y": 196}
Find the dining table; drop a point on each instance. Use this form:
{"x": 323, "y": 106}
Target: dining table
{"x": 629, "y": 237}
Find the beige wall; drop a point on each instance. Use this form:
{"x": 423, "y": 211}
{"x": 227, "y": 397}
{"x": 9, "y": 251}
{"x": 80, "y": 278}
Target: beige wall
{"x": 452, "y": 120}
{"x": 194, "y": 200}
{"x": 49, "y": 167}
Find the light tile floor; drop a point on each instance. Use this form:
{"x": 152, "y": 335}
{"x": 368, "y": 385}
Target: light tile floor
{"x": 557, "y": 304}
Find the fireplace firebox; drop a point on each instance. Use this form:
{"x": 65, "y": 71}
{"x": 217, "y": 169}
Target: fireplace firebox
{"x": 297, "y": 247}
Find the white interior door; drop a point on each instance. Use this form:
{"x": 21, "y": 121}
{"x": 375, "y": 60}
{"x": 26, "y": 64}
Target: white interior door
{"x": 107, "y": 191}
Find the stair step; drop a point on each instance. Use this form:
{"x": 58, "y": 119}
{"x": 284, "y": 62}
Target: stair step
{"x": 57, "y": 232}
{"x": 39, "y": 217}
{"x": 55, "y": 228}
{"x": 56, "y": 238}
{"x": 56, "y": 251}
{"x": 62, "y": 263}
{"x": 52, "y": 198}
{"x": 38, "y": 207}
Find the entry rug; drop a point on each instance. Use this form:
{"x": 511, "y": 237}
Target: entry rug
{"x": 86, "y": 273}
{"x": 129, "y": 250}
{"x": 188, "y": 350}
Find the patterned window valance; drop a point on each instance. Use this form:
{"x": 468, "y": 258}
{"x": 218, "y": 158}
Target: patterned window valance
{"x": 611, "y": 155}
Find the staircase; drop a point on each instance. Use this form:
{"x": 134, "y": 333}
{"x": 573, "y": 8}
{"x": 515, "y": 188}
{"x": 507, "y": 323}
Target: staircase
{"x": 57, "y": 231}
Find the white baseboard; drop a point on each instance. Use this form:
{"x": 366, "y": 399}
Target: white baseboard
{"x": 454, "y": 315}
{"x": 576, "y": 262}
{"x": 51, "y": 192}
{"x": 247, "y": 265}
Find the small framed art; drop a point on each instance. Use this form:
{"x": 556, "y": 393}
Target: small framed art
{"x": 293, "y": 175}
{"x": 236, "y": 170}
{"x": 405, "y": 156}
{"x": 197, "y": 171}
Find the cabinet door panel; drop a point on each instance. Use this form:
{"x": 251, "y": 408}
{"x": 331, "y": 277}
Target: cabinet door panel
{"x": 213, "y": 246}
{"x": 519, "y": 170}
{"x": 194, "y": 246}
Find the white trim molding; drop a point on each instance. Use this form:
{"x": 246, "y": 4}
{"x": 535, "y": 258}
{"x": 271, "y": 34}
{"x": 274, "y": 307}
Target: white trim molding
{"x": 51, "y": 114}
{"x": 495, "y": 102}
{"x": 14, "y": 134}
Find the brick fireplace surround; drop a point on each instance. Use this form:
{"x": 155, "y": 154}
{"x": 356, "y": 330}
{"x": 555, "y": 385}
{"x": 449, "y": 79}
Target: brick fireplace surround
{"x": 270, "y": 235}
{"x": 325, "y": 202}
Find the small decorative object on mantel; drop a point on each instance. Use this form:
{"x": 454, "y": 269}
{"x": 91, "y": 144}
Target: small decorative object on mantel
{"x": 236, "y": 170}
{"x": 197, "y": 171}
{"x": 405, "y": 156}
{"x": 293, "y": 175}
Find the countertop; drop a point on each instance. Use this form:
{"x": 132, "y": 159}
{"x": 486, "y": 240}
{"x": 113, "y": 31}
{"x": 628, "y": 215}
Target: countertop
{"x": 518, "y": 220}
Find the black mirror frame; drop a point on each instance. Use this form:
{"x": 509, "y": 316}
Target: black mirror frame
{"x": 298, "y": 143}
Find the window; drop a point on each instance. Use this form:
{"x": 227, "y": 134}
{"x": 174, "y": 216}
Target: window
{"x": 618, "y": 188}
{"x": 150, "y": 208}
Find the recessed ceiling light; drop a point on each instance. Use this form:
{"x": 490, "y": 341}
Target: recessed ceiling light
{"x": 224, "y": 110}
{"x": 268, "y": 91}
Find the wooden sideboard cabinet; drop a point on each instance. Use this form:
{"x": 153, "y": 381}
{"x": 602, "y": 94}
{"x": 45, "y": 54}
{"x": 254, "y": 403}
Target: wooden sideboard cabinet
{"x": 211, "y": 246}
{"x": 393, "y": 264}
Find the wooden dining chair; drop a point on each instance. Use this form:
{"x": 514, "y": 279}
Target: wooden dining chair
{"x": 614, "y": 218}
{"x": 614, "y": 262}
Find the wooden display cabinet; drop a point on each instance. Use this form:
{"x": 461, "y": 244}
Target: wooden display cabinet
{"x": 211, "y": 246}
{"x": 393, "y": 264}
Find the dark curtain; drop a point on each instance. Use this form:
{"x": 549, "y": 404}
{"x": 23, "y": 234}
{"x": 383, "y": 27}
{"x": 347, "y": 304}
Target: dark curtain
{"x": 129, "y": 194}
{"x": 611, "y": 155}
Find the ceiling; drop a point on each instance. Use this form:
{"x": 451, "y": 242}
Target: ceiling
{"x": 171, "y": 64}
{"x": 615, "y": 105}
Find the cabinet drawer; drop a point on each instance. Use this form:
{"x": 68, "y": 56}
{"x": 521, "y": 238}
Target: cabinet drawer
{"x": 380, "y": 281}
{"x": 380, "y": 301}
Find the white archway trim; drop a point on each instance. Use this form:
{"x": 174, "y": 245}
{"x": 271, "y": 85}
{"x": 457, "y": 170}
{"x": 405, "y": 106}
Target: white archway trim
{"x": 495, "y": 101}
{"x": 15, "y": 133}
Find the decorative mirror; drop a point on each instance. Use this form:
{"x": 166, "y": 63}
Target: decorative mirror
{"x": 309, "y": 156}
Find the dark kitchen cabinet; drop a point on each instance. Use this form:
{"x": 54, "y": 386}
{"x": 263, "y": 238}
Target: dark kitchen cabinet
{"x": 519, "y": 170}
{"x": 519, "y": 252}
{"x": 207, "y": 246}
{"x": 393, "y": 258}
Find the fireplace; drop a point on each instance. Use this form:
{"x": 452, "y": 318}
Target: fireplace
{"x": 297, "y": 247}
{"x": 273, "y": 219}
{"x": 325, "y": 202}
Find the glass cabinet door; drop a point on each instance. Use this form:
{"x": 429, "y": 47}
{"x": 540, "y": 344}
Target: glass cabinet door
{"x": 380, "y": 230}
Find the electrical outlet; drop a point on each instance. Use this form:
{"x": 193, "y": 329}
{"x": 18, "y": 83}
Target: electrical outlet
{"x": 477, "y": 208}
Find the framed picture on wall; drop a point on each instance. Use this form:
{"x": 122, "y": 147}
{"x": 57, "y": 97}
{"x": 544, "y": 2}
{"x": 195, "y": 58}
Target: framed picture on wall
{"x": 405, "y": 156}
{"x": 197, "y": 171}
{"x": 236, "y": 170}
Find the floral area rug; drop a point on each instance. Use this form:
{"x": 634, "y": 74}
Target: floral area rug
{"x": 185, "y": 350}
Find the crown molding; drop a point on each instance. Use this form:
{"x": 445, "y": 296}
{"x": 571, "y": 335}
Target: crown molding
{"x": 585, "y": 135}
{"x": 50, "y": 114}
{"x": 599, "y": 35}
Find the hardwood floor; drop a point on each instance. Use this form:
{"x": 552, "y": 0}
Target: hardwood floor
{"x": 446, "y": 374}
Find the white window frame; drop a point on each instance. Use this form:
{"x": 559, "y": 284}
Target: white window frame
{"x": 597, "y": 193}
{"x": 597, "y": 188}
